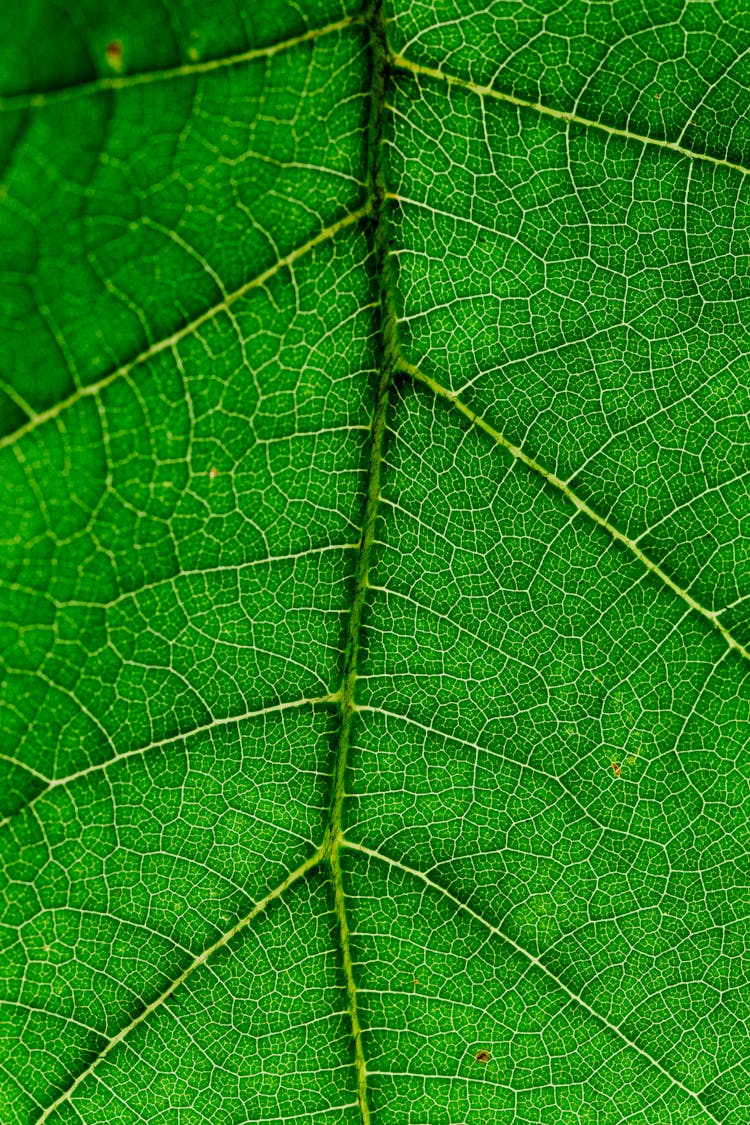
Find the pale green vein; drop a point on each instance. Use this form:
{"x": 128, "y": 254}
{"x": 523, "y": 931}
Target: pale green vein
{"x": 17, "y": 399}
{"x": 140, "y": 751}
{"x": 400, "y": 62}
{"x": 36, "y": 1009}
{"x": 196, "y": 963}
{"x": 23, "y": 766}
{"x": 174, "y": 580}
{"x": 534, "y": 960}
{"x": 91, "y": 390}
{"x": 710, "y": 615}
{"x": 39, "y": 99}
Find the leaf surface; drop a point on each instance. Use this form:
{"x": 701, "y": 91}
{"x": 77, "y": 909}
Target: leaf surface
{"x": 374, "y": 571}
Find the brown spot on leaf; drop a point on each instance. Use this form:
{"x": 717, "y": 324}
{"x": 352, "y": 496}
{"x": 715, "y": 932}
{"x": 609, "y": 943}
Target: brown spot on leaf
{"x": 483, "y": 1056}
{"x": 113, "y": 54}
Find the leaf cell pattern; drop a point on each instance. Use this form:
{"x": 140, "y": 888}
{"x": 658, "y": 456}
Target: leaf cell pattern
{"x": 374, "y": 578}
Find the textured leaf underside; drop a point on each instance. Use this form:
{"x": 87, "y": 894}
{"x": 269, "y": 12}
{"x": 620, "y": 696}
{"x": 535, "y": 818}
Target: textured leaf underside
{"x": 374, "y": 620}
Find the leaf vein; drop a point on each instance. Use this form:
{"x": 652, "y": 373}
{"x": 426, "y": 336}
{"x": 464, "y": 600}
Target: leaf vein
{"x": 92, "y": 390}
{"x": 533, "y": 960}
{"x": 711, "y": 616}
{"x": 161, "y": 999}
{"x": 400, "y": 62}
{"x": 38, "y": 99}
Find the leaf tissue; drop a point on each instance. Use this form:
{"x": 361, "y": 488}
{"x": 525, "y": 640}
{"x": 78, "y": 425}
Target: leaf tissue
{"x": 375, "y": 562}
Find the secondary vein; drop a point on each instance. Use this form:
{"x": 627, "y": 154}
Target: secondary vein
{"x": 444, "y": 392}
{"x": 161, "y": 999}
{"x": 37, "y": 99}
{"x": 400, "y": 62}
{"x": 534, "y": 960}
{"x": 91, "y": 390}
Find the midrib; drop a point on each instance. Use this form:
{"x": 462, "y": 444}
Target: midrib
{"x": 389, "y": 361}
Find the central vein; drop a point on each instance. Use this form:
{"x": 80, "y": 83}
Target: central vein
{"x": 388, "y": 364}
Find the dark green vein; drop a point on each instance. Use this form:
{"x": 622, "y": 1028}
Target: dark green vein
{"x": 388, "y": 364}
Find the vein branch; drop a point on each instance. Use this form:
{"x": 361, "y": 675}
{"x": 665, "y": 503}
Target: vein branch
{"x": 37, "y": 99}
{"x": 534, "y": 960}
{"x": 91, "y": 390}
{"x": 162, "y": 998}
{"x": 444, "y": 392}
{"x": 400, "y": 62}
{"x": 214, "y": 724}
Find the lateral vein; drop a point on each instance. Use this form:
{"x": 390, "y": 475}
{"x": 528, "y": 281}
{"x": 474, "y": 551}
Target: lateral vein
{"x": 196, "y": 963}
{"x": 534, "y": 960}
{"x": 91, "y": 390}
{"x": 51, "y": 783}
{"x": 400, "y": 62}
{"x": 38, "y": 99}
{"x": 710, "y": 615}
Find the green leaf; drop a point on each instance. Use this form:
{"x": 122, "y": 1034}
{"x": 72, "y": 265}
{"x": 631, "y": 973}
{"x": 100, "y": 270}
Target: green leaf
{"x": 374, "y": 621}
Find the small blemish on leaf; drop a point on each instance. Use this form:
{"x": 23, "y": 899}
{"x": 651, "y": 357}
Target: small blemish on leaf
{"x": 483, "y": 1056}
{"x": 113, "y": 55}
{"x": 192, "y": 54}
{"x": 616, "y": 769}
{"x": 212, "y": 474}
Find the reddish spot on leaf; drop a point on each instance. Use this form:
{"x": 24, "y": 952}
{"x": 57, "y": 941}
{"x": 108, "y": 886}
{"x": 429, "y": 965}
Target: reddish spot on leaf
{"x": 483, "y": 1056}
{"x": 616, "y": 770}
{"x": 113, "y": 54}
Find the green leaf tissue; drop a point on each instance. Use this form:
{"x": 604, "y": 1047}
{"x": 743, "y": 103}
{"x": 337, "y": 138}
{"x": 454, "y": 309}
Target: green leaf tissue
{"x": 374, "y": 562}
